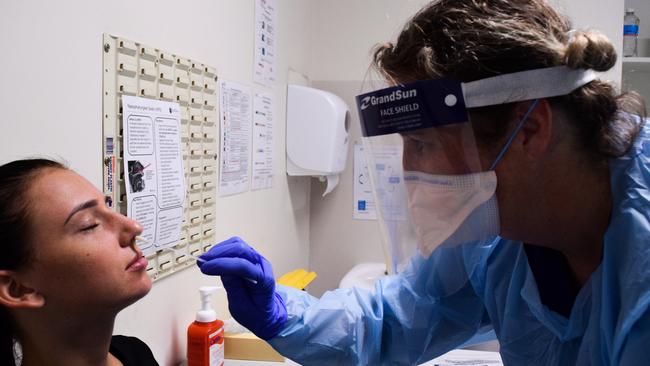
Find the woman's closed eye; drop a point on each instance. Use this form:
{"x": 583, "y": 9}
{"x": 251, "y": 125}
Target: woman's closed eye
{"x": 89, "y": 227}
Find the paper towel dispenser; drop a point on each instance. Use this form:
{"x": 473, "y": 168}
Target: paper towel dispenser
{"x": 317, "y": 134}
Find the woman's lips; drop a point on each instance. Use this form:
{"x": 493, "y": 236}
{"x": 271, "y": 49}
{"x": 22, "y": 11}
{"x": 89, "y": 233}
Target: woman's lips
{"x": 138, "y": 264}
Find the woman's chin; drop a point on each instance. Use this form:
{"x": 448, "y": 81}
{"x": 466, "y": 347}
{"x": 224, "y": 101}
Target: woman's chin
{"x": 146, "y": 286}
{"x": 138, "y": 292}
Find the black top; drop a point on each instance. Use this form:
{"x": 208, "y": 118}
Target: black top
{"x": 131, "y": 351}
{"x": 557, "y": 286}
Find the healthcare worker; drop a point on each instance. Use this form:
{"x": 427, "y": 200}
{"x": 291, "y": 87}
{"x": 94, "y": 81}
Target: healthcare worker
{"x": 521, "y": 207}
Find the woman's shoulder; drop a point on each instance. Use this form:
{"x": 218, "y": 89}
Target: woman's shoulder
{"x": 131, "y": 351}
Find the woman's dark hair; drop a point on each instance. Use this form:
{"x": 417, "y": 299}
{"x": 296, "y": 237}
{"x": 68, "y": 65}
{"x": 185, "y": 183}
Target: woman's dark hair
{"x": 475, "y": 39}
{"x": 15, "y": 226}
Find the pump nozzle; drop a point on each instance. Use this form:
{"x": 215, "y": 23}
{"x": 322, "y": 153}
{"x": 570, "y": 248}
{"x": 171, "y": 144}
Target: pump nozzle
{"x": 207, "y": 314}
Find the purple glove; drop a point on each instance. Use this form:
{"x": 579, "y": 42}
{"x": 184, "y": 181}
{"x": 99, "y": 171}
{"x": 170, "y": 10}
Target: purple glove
{"x": 249, "y": 283}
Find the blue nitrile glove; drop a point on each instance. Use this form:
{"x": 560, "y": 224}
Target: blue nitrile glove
{"x": 249, "y": 283}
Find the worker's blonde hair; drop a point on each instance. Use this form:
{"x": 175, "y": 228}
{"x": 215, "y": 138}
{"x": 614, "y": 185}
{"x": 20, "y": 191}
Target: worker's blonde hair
{"x": 474, "y": 39}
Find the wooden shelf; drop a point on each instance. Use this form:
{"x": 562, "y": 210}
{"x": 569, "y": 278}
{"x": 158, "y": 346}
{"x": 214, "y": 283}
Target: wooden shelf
{"x": 636, "y": 64}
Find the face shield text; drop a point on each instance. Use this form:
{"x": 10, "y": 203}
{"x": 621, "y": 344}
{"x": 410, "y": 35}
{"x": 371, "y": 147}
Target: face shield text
{"x": 391, "y": 111}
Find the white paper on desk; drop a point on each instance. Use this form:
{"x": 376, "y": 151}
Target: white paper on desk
{"x": 264, "y": 62}
{"x": 235, "y": 102}
{"x": 153, "y": 169}
{"x": 364, "y": 202}
{"x": 463, "y": 357}
{"x": 263, "y": 122}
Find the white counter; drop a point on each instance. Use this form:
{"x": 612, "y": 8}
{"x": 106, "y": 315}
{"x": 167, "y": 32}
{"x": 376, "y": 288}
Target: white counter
{"x": 451, "y": 358}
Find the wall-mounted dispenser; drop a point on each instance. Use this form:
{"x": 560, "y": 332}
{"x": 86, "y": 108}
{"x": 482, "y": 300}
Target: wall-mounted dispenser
{"x": 317, "y": 134}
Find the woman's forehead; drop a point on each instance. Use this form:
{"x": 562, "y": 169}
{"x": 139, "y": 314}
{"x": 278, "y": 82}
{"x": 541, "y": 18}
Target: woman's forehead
{"x": 57, "y": 191}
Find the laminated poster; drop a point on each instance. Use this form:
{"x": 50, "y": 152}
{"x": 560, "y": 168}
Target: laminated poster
{"x": 153, "y": 169}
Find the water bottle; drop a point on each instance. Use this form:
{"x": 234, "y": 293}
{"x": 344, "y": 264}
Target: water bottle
{"x": 630, "y": 33}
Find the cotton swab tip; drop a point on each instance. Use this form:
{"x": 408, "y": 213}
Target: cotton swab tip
{"x": 179, "y": 252}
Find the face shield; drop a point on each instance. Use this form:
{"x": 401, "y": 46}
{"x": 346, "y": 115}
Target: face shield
{"x": 431, "y": 184}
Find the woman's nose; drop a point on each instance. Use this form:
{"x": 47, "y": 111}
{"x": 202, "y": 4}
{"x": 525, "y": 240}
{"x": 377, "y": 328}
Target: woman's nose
{"x": 129, "y": 229}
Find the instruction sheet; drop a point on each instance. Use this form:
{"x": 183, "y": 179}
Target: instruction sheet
{"x": 264, "y": 63}
{"x": 263, "y": 122}
{"x": 364, "y": 202}
{"x": 235, "y": 103}
{"x": 153, "y": 166}
{"x": 391, "y": 191}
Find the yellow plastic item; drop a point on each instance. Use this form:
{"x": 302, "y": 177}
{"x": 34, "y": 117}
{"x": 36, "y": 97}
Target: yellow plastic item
{"x": 299, "y": 279}
{"x": 246, "y": 346}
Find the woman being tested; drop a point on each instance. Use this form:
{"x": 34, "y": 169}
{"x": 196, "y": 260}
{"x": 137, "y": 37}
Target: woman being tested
{"x": 69, "y": 264}
{"x": 524, "y": 190}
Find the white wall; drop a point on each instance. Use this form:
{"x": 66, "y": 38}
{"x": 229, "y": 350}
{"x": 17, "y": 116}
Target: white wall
{"x": 343, "y": 35}
{"x": 343, "y": 32}
{"x": 50, "y": 98}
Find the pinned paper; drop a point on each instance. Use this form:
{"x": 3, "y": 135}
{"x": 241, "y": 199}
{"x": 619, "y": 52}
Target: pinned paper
{"x": 364, "y": 202}
{"x": 234, "y": 174}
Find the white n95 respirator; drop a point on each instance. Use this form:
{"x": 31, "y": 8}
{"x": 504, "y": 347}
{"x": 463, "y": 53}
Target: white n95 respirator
{"x": 452, "y": 209}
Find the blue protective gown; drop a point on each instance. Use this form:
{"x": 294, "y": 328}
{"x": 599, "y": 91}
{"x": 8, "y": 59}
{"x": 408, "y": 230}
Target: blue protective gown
{"x": 461, "y": 293}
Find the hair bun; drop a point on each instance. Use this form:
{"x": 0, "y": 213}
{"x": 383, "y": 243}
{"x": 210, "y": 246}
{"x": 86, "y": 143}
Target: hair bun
{"x": 588, "y": 49}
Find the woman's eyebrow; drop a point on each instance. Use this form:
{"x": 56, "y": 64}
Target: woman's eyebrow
{"x": 83, "y": 206}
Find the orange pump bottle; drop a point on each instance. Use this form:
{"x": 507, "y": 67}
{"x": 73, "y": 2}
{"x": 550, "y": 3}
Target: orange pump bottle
{"x": 205, "y": 342}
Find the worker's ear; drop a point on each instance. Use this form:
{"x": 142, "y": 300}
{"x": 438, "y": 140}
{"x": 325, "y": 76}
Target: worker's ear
{"x": 15, "y": 294}
{"x": 537, "y": 130}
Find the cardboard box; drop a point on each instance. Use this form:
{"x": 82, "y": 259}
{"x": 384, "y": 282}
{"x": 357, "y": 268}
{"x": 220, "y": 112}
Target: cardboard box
{"x": 246, "y": 346}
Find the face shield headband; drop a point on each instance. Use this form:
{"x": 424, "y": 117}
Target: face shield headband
{"x": 433, "y": 103}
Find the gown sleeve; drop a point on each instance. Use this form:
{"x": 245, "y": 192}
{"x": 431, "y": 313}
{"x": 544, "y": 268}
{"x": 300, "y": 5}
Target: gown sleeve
{"x": 431, "y": 307}
{"x": 635, "y": 347}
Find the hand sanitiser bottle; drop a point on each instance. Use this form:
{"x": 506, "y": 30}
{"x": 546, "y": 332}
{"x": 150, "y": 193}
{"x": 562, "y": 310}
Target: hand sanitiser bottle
{"x": 205, "y": 339}
{"x": 630, "y": 33}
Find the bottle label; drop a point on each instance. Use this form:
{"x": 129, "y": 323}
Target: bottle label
{"x": 215, "y": 342}
{"x": 631, "y": 30}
